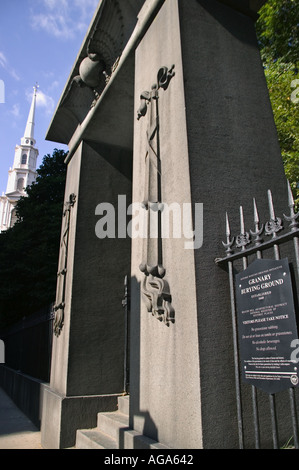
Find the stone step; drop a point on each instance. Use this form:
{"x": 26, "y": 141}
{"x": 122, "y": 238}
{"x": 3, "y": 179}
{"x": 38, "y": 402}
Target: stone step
{"x": 94, "y": 439}
{"x": 124, "y": 405}
{"x": 134, "y": 440}
{"x": 113, "y": 432}
{"x": 113, "y": 424}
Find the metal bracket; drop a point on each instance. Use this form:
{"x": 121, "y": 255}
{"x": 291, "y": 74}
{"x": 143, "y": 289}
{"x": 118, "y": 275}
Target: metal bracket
{"x": 61, "y": 275}
{"x": 155, "y": 289}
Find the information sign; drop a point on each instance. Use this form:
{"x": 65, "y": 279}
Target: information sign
{"x": 267, "y": 325}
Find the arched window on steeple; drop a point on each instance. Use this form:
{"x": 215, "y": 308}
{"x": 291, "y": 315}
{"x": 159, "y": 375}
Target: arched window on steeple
{"x": 24, "y": 159}
{"x": 13, "y": 218}
{"x": 20, "y": 184}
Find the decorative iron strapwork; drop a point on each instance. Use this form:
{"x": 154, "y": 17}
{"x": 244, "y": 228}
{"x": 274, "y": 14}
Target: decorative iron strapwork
{"x": 61, "y": 275}
{"x": 155, "y": 289}
{"x": 267, "y": 236}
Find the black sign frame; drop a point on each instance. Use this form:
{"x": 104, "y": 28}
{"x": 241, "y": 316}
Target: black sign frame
{"x": 267, "y": 328}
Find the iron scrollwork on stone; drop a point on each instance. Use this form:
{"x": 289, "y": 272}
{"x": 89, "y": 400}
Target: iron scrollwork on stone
{"x": 155, "y": 289}
{"x": 163, "y": 80}
{"x": 156, "y": 293}
{"x": 61, "y": 275}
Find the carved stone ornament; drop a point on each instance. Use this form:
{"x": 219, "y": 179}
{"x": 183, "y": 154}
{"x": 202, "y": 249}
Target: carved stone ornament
{"x": 155, "y": 289}
{"x": 61, "y": 275}
{"x": 103, "y": 51}
{"x": 156, "y": 294}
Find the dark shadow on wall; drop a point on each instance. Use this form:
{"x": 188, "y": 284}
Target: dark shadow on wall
{"x": 222, "y": 13}
{"x": 120, "y": 158}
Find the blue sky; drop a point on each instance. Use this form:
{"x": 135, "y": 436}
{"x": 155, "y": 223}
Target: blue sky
{"x": 39, "y": 42}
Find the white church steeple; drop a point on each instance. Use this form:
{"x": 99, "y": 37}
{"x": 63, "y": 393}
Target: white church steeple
{"x": 23, "y": 172}
{"x": 29, "y": 131}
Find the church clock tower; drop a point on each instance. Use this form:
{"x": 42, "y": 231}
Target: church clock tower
{"x": 23, "y": 172}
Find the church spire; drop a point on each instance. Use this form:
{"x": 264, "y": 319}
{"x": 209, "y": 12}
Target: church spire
{"x": 29, "y": 130}
{"x": 23, "y": 173}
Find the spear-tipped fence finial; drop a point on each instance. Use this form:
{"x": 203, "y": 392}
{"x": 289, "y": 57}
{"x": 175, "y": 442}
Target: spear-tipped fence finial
{"x": 243, "y": 239}
{"x": 293, "y": 216}
{"x": 258, "y": 229}
{"x": 242, "y": 225}
{"x": 229, "y": 241}
{"x": 275, "y": 224}
{"x": 271, "y": 205}
{"x": 227, "y": 226}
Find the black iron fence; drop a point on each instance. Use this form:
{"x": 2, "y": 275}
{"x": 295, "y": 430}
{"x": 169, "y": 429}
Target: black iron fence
{"x": 28, "y": 344}
{"x": 263, "y": 241}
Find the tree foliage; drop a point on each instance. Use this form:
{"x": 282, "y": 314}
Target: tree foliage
{"x": 278, "y": 35}
{"x": 29, "y": 250}
{"x": 278, "y": 30}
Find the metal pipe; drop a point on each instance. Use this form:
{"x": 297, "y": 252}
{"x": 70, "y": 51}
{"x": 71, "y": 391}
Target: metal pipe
{"x": 277, "y": 257}
{"x": 246, "y": 240}
{"x": 293, "y": 226}
{"x": 273, "y": 421}
{"x": 236, "y": 356}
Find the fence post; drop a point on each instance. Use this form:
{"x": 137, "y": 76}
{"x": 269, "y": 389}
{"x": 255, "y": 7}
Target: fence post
{"x": 2, "y": 352}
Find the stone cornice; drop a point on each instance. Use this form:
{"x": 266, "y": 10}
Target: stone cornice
{"x": 110, "y": 30}
{"x": 115, "y": 30}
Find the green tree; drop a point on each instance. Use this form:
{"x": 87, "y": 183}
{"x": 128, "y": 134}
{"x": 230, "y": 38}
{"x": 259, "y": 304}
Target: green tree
{"x": 278, "y": 30}
{"x": 278, "y": 35}
{"x": 29, "y": 250}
